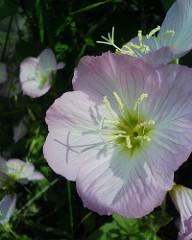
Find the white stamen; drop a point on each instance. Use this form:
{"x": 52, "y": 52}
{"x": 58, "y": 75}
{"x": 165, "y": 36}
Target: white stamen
{"x": 105, "y": 100}
{"x": 150, "y": 122}
{"x": 153, "y": 32}
{"x": 111, "y": 122}
{"x": 117, "y": 98}
{"x": 140, "y": 99}
{"x": 144, "y": 137}
{"x": 167, "y": 33}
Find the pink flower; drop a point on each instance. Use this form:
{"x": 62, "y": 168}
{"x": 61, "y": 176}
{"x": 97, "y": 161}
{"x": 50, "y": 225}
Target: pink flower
{"x": 7, "y": 206}
{"x": 20, "y": 171}
{"x": 182, "y": 198}
{"x": 20, "y": 130}
{"x": 122, "y": 133}
{"x": 171, "y": 41}
{"x": 36, "y": 74}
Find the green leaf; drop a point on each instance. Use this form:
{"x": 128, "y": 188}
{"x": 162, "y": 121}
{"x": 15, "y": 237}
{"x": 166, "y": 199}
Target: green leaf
{"x": 90, "y": 7}
{"x": 7, "y": 8}
{"x": 145, "y": 228}
{"x": 167, "y": 4}
{"x": 41, "y": 22}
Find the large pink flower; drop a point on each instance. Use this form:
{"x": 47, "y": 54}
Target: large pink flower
{"x": 122, "y": 133}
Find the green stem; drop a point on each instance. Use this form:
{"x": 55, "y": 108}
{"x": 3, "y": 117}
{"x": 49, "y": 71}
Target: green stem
{"x": 83, "y": 220}
{"x": 7, "y": 37}
{"x": 70, "y": 205}
{"x": 37, "y": 196}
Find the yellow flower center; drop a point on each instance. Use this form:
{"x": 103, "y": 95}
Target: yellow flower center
{"x": 128, "y": 130}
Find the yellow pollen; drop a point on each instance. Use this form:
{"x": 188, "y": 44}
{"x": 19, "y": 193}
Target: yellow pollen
{"x": 128, "y": 142}
{"x": 153, "y": 32}
{"x": 111, "y": 122}
{"x": 117, "y": 98}
{"x": 167, "y": 33}
{"x": 105, "y": 100}
{"x": 144, "y": 137}
{"x": 143, "y": 124}
{"x": 140, "y": 99}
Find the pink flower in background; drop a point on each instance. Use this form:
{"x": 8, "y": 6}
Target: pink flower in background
{"x": 20, "y": 130}
{"x": 36, "y": 74}
{"x": 173, "y": 40}
{"x": 122, "y": 133}
{"x": 182, "y": 198}
{"x": 3, "y": 73}
{"x": 20, "y": 171}
{"x": 7, "y": 206}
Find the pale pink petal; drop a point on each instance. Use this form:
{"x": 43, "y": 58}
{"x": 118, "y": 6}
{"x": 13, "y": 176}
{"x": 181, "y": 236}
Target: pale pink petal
{"x": 60, "y": 65}
{"x": 182, "y": 198}
{"x": 7, "y": 206}
{"x": 27, "y": 69}
{"x": 120, "y": 184}
{"x": 72, "y": 140}
{"x": 47, "y": 62}
{"x": 178, "y": 19}
{"x": 32, "y": 89}
{"x": 20, "y": 131}
{"x": 103, "y": 75}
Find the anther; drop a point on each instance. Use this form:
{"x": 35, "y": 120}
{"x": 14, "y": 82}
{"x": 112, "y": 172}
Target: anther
{"x": 143, "y": 124}
{"x": 153, "y": 32}
{"x": 117, "y": 98}
{"x": 140, "y": 99}
{"x": 128, "y": 142}
{"x": 144, "y": 137}
{"x": 105, "y": 100}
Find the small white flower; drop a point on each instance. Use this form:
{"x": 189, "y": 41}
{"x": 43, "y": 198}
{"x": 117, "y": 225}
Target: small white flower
{"x": 36, "y": 74}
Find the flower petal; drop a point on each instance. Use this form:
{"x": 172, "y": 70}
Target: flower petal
{"x": 117, "y": 184}
{"x": 182, "y": 198}
{"x": 178, "y": 19}
{"x": 60, "y": 65}
{"x": 32, "y": 89}
{"x": 47, "y": 62}
{"x": 103, "y": 75}
{"x": 73, "y": 122}
{"x": 7, "y": 206}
